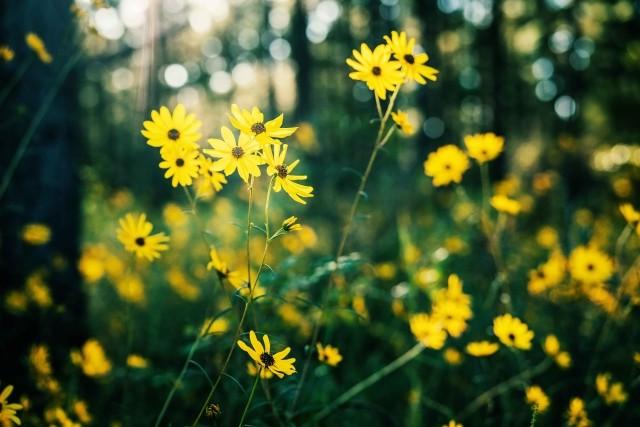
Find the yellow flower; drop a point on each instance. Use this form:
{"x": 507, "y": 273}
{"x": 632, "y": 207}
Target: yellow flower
{"x": 135, "y": 235}
{"x": 242, "y": 156}
{"x": 537, "y": 398}
{"x": 92, "y": 359}
{"x": 551, "y": 345}
{"x": 291, "y": 224}
{"x": 217, "y": 264}
{"x": 504, "y": 204}
{"x": 577, "y": 414}
{"x": 629, "y": 213}
{"x": 166, "y": 129}
{"x": 512, "y": 332}
{"x": 413, "y": 66}
{"x": 481, "y": 348}
{"x": 547, "y": 237}
{"x": 130, "y": 288}
{"x": 611, "y": 392}
{"x": 328, "y": 354}
{"x": 81, "y": 410}
{"x": 253, "y": 369}
{"x": 252, "y": 124}
{"x": 484, "y": 147}
{"x": 8, "y": 410}
{"x": 136, "y": 361}
{"x": 211, "y": 181}
{"x": 36, "y": 44}
{"x": 6, "y": 53}
{"x": 428, "y": 330}
{"x": 283, "y": 179}
{"x": 446, "y": 165}
{"x": 36, "y": 234}
{"x": 39, "y": 360}
{"x": 174, "y": 215}
{"x": 181, "y": 284}
{"x": 16, "y": 301}
{"x": 587, "y": 264}
{"x": 181, "y": 162}
{"x": 547, "y": 275}
{"x": 376, "y": 69}
{"x": 563, "y": 360}
{"x": 452, "y": 356}
{"x": 452, "y": 423}
{"x": 453, "y": 316}
{"x": 90, "y": 264}
{"x": 38, "y": 291}
{"x": 636, "y": 357}
{"x": 260, "y": 354}
{"x": 218, "y": 326}
{"x": 401, "y": 119}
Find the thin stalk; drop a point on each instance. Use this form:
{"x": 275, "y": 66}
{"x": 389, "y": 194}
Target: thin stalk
{"x": 15, "y": 79}
{"x": 411, "y": 354}
{"x": 253, "y": 391}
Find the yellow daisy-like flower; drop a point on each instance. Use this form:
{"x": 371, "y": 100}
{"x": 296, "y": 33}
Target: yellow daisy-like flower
{"x": 8, "y": 410}
{"x": 481, "y": 348}
{"x": 166, "y": 129}
{"x": 484, "y": 147}
{"x": 224, "y": 272}
{"x": 93, "y": 360}
{"x": 577, "y": 414}
{"x": 413, "y": 66}
{"x": 284, "y": 180}
{"x": 328, "y": 354}
{"x": 537, "y": 397}
{"x": 36, "y": 234}
{"x": 212, "y": 180}
{"x": 376, "y": 69}
{"x": 446, "y": 165}
{"x": 242, "y": 156}
{"x": 588, "y": 264}
{"x": 276, "y": 363}
{"x": 629, "y": 213}
{"x": 563, "y": 360}
{"x": 291, "y": 224}
{"x": 253, "y": 369}
{"x": 252, "y": 124}
{"x": 512, "y": 332}
{"x": 36, "y": 44}
{"x": 551, "y": 345}
{"x": 505, "y": 204}
{"x": 401, "y": 119}
{"x": 135, "y": 234}
{"x": 611, "y": 392}
{"x": 39, "y": 360}
{"x": 6, "y": 53}
{"x": 428, "y": 330}
{"x": 181, "y": 162}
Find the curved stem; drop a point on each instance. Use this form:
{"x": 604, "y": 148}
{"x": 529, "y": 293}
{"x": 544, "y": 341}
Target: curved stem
{"x": 253, "y": 391}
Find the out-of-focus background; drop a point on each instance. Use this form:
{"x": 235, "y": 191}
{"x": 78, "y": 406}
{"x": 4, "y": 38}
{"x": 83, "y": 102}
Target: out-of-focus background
{"x": 558, "y": 78}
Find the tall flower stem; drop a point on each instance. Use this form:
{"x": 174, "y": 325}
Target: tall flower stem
{"x": 253, "y": 391}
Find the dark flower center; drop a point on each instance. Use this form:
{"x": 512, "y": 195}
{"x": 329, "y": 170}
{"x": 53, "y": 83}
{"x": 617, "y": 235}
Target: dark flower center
{"x": 237, "y": 152}
{"x": 267, "y": 359}
{"x": 590, "y": 267}
{"x": 447, "y": 166}
{"x": 512, "y": 337}
{"x": 140, "y": 241}
{"x": 376, "y": 71}
{"x": 258, "y": 128}
{"x": 179, "y": 163}
{"x": 282, "y": 171}
{"x": 409, "y": 58}
{"x": 173, "y": 134}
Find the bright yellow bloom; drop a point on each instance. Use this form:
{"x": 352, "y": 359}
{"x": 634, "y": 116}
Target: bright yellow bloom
{"x": 223, "y": 270}
{"x": 452, "y": 356}
{"x": 376, "y": 69}
{"x": 130, "y": 288}
{"x": 135, "y": 235}
{"x": 218, "y": 326}
{"x": 137, "y": 361}
{"x": 453, "y": 316}
{"x": 81, "y": 410}
{"x": 428, "y": 330}
{"x": 211, "y": 181}
{"x": 577, "y": 414}
{"x": 174, "y": 215}
{"x": 253, "y": 369}
{"x": 512, "y": 332}
{"x": 551, "y": 345}
{"x": 452, "y": 423}
{"x": 504, "y": 204}
{"x": 36, "y": 44}
{"x": 629, "y": 213}
{"x": 446, "y": 165}
{"x": 328, "y": 354}
{"x": 563, "y": 360}
{"x": 481, "y": 348}
{"x": 547, "y": 237}
{"x": 6, "y": 53}
{"x": 252, "y": 124}
{"x": 413, "y": 66}
{"x": 166, "y": 129}
{"x": 260, "y": 354}
{"x": 8, "y": 410}
{"x": 92, "y": 359}
{"x": 291, "y": 224}
{"x": 38, "y": 291}
{"x": 587, "y": 264}
{"x": 36, "y": 234}
{"x": 547, "y": 275}
{"x": 283, "y": 179}
{"x": 401, "y": 119}
{"x": 91, "y": 264}
{"x": 611, "y": 392}
{"x": 242, "y": 156}
{"x": 537, "y": 398}
{"x": 181, "y": 162}
{"x": 484, "y": 147}
{"x": 39, "y": 360}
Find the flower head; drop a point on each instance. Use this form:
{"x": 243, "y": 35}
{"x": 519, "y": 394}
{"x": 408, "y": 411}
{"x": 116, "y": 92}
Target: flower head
{"x": 505, "y": 204}
{"x": 166, "y": 128}
{"x": 413, "y": 65}
{"x": 181, "y": 163}
{"x": 135, "y": 234}
{"x": 537, "y": 398}
{"x": 211, "y": 181}
{"x": 588, "y": 264}
{"x": 630, "y": 214}
{"x": 242, "y": 155}
{"x": 484, "y": 147}
{"x": 8, "y": 410}
{"x": 577, "y": 414}
{"x": 611, "y": 392}
{"x": 283, "y": 178}
{"x": 376, "y": 69}
{"x": 36, "y": 234}
{"x": 446, "y": 165}
{"x": 428, "y": 330}
{"x": 224, "y": 272}
{"x": 481, "y": 348}
{"x": 6, "y": 53}
{"x": 291, "y": 224}
{"x": 92, "y": 359}
{"x": 401, "y": 119}
{"x": 328, "y": 354}
{"x": 512, "y": 332}
{"x": 261, "y": 354}
{"x": 252, "y": 124}
{"x": 36, "y": 44}
{"x": 452, "y": 423}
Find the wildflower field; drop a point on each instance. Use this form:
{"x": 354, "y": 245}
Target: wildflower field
{"x": 320, "y": 213}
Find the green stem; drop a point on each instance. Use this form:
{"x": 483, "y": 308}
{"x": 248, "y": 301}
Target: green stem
{"x": 253, "y": 391}
{"x": 15, "y": 79}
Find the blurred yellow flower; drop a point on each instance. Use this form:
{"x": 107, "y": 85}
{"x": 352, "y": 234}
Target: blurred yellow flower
{"x": 452, "y": 356}
{"x": 218, "y": 326}
{"x": 452, "y": 423}
{"x": 547, "y": 275}
{"x": 484, "y": 147}
{"x": 376, "y": 69}
{"x": 36, "y": 234}
{"x": 260, "y": 354}
{"x": 512, "y": 332}
{"x": 137, "y": 361}
{"x": 38, "y": 291}
{"x": 547, "y": 237}
{"x": 505, "y": 204}
{"x": 91, "y": 265}
{"x": 401, "y": 119}
{"x": 252, "y": 124}
{"x": 629, "y": 213}
{"x": 8, "y": 410}
{"x": 563, "y": 360}
{"x": 135, "y": 235}
{"x": 283, "y": 179}
{"x": 81, "y": 410}
{"x": 210, "y": 180}
{"x": 446, "y": 165}
{"x": 577, "y": 414}
{"x": 131, "y": 289}
{"x": 253, "y": 369}
{"x": 167, "y": 129}
{"x": 328, "y": 354}
{"x": 413, "y": 66}
{"x": 587, "y": 264}
{"x": 537, "y": 398}
{"x": 428, "y": 330}
{"x": 551, "y": 345}
{"x": 181, "y": 164}
{"x": 231, "y": 156}
{"x": 6, "y": 53}
{"x": 39, "y": 360}
{"x": 174, "y": 215}
{"x": 16, "y": 301}
{"x": 611, "y": 392}
{"x": 224, "y": 272}
{"x": 481, "y": 348}
{"x": 181, "y": 285}
{"x": 92, "y": 359}
{"x": 36, "y": 44}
